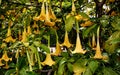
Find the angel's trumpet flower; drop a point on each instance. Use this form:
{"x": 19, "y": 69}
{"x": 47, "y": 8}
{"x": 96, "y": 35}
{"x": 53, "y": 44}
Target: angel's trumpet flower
{"x": 78, "y": 48}
{"x": 9, "y": 37}
{"x": 1, "y": 64}
{"x": 48, "y": 61}
{"x": 6, "y": 65}
{"x": 58, "y": 50}
{"x": 73, "y": 6}
{"x": 51, "y": 14}
{"x": 24, "y": 35}
{"x": 66, "y": 41}
{"x": 29, "y": 30}
{"x": 35, "y": 25}
{"x": 5, "y": 57}
{"x": 47, "y": 20}
{"x": 24, "y": 38}
{"x": 42, "y": 15}
{"x": 98, "y": 54}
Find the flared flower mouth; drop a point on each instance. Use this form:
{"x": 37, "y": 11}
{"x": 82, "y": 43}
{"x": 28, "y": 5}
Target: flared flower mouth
{"x": 98, "y": 54}
{"x": 48, "y": 61}
{"x": 9, "y": 37}
{"x": 78, "y": 48}
{"x": 5, "y": 57}
{"x": 66, "y": 41}
{"x": 58, "y": 50}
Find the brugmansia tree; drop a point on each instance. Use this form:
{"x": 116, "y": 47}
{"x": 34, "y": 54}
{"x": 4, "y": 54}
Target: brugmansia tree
{"x": 85, "y": 34}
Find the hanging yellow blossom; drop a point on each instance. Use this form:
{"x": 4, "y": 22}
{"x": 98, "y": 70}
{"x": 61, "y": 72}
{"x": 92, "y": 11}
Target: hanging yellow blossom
{"x": 29, "y": 30}
{"x": 47, "y": 20}
{"x": 87, "y": 23}
{"x": 9, "y": 37}
{"x": 98, "y": 54}
{"x": 5, "y": 57}
{"x": 58, "y": 50}
{"x": 66, "y": 41}
{"x": 73, "y": 6}
{"x": 78, "y": 48}
{"x": 51, "y": 14}
{"x": 42, "y": 15}
{"x": 48, "y": 61}
{"x": 35, "y": 25}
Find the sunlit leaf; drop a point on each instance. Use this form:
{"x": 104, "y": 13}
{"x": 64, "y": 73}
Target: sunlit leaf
{"x": 93, "y": 65}
{"x": 69, "y": 23}
{"x": 113, "y": 42}
{"x": 61, "y": 69}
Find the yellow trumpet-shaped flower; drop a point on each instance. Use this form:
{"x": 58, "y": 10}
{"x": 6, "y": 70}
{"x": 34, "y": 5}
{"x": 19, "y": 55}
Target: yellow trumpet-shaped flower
{"x": 35, "y": 25}
{"x": 42, "y": 15}
{"x": 51, "y": 14}
{"x": 73, "y": 6}
{"x": 6, "y": 65}
{"x": 9, "y": 31}
{"x": 58, "y": 50}
{"x": 87, "y": 23}
{"x": 5, "y": 57}
{"x": 1, "y": 64}
{"x": 66, "y": 41}
{"x": 78, "y": 48}
{"x": 47, "y": 20}
{"x": 48, "y": 61}
{"x": 9, "y": 37}
{"x": 29, "y": 30}
{"x": 24, "y": 36}
{"x": 98, "y": 54}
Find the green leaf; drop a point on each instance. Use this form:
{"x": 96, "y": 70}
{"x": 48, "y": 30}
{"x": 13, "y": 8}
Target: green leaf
{"x": 113, "y": 42}
{"x": 90, "y": 29}
{"x": 79, "y": 66}
{"x": 45, "y": 48}
{"x": 70, "y": 67}
{"x": 69, "y": 23}
{"x": 108, "y": 71}
{"x": 37, "y": 43}
{"x": 116, "y": 23}
{"x": 88, "y": 72}
{"x": 16, "y": 44}
{"x": 93, "y": 65}
{"x": 61, "y": 69}
{"x": 33, "y": 48}
{"x": 10, "y": 72}
{"x": 63, "y": 60}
